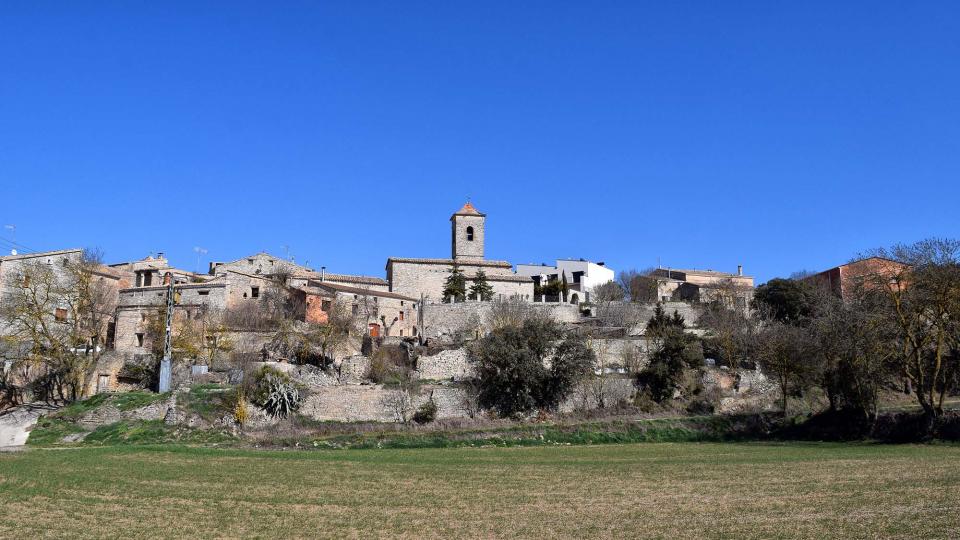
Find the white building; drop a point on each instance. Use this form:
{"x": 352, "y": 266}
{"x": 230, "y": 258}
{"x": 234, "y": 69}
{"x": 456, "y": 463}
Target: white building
{"x": 581, "y": 275}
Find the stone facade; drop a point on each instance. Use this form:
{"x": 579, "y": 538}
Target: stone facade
{"x": 16, "y": 272}
{"x": 467, "y": 232}
{"x": 382, "y": 314}
{"x": 425, "y": 278}
{"x": 468, "y": 320}
{"x": 449, "y": 365}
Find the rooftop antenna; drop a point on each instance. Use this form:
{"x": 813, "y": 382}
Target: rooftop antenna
{"x": 286, "y": 252}
{"x": 199, "y": 251}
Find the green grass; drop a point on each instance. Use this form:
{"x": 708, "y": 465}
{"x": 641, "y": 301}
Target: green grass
{"x": 685, "y": 490}
{"x": 150, "y": 432}
{"x": 75, "y": 410}
{"x": 50, "y": 431}
{"x": 134, "y": 400}
{"x": 206, "y": 400}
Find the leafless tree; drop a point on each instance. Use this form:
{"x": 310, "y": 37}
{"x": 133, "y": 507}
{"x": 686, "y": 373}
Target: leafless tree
{"x": 784, "y": 352}
{"x": 639, "y": 285}
{"x": 916, "y": 294}
{"x": 59, "y": 313}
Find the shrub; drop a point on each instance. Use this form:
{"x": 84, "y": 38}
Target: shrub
{"x": 389, "y": 365}
{"x": 426, "y": 413}
{"x": 512, "y": 371}
{"x": 240, "y": 413}
{"x": 275, "y": 392}
{"x": 665, "y": 372}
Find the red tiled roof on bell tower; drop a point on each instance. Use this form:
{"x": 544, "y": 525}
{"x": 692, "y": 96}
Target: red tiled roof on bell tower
{"x": 468, "y": 210}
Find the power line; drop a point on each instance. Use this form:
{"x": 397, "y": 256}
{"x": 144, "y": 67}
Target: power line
{"x": 13, "y": 244}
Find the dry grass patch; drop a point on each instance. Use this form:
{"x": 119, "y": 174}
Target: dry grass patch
{"x": 642, "y": 490}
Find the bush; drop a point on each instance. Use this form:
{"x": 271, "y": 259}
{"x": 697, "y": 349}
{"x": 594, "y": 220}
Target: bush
{"x": 390, "y": 365}
{"x": 275, "y": 392}
{"x": 664, "y": 375}
{"x": 426, "y": 413}
{"x": 511, "y": 366}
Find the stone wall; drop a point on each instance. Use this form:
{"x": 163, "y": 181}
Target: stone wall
{"x": 451, "y": 365}
{"x": 589, "y": 394}
{"x": 414, "y": 277}
{"x": 614, "y": 353}
{"x": 445, "y": 322}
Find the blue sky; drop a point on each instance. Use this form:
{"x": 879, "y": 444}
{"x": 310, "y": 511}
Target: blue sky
{"x": 781, "y": 136}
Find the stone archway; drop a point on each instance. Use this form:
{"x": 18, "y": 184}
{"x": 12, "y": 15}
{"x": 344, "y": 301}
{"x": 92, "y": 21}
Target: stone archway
{"x": 574, "y": 299}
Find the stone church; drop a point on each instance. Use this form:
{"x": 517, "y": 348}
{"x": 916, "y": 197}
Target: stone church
{"x": 426, "y": 277}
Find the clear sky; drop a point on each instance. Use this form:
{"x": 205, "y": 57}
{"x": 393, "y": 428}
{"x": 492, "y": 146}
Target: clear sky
{"x": 777, "y": 135}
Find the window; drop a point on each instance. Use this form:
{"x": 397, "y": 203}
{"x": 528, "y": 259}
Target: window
{"x": 356, "y": 309}
{"x": 401, "y": 332}
{"x": 401, "y": 315}
{"x": 139, "y": 339}
{"x": 147, "y": 279}
{"x": 577, "y": 276}
{"x": 254, "y": 292}
{"x": 325, "y": 305}
{"x": 26, "y": 280}
{"x": 470, "y": 234}
{"x": 143, "y": 317}
{"x": 203, "y": 293}
{"x": 60, "y": 314}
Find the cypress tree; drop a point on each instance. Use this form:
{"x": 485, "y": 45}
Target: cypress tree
{"x": 456, "y": 286}
{"x": 481, "y": 289}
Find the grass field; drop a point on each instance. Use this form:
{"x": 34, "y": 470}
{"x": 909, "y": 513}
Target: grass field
{"x": 691, "y": 490}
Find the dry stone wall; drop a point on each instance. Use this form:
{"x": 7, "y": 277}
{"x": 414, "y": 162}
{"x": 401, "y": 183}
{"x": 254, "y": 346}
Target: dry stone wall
{"x": 447, "y": 323}
{"x": 452, "y": 365}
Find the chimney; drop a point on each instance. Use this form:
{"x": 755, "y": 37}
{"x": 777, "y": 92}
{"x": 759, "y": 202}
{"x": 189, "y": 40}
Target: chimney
{"x": 323, "y": 273}
{"x": 739, "y": 269}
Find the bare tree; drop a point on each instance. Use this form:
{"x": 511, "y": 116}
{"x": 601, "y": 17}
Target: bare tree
{"x": 784, "y": 351}
{"x": 639, "y": 285}
{"x": 59, "y": 314}
{"x": 730, "y": 330}
{"x": 915, "y": 290}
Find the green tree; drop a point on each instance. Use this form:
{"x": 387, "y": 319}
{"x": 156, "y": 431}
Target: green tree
{"x": 481, "y": 289}
{"x": 676, "y": 351}
{"x": 660, "y": 323}
{"x": 512, "y": 362}
{"x": 784, "y": 300}
{"x": 455, "y": 288}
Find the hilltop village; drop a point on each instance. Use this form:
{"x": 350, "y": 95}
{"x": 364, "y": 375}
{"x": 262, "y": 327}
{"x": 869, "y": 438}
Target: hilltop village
{"x": 354, "y": 341}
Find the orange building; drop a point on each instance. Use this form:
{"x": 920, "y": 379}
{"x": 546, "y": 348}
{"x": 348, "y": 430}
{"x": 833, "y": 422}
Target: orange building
{"x": 844, "y": 280}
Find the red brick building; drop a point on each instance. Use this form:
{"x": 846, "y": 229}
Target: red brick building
{"x": 847, "y": 278}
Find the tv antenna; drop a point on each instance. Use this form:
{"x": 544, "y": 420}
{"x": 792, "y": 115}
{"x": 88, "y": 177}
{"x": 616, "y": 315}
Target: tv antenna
{"x": 199, "y": 251}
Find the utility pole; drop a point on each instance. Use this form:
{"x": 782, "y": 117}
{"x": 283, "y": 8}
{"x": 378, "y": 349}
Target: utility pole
{"x": 165, "y": 367}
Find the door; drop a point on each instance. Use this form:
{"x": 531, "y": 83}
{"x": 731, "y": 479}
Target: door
{"x": 103, "y": 384}
{"x": 374, "y": 330}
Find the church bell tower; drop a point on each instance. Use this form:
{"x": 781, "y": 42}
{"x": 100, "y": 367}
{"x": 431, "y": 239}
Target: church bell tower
{"x": 467, "y": 235}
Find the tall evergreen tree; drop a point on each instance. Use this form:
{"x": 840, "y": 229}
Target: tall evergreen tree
{"x": 455, "y": 287}
{"x": 481, "y": 289}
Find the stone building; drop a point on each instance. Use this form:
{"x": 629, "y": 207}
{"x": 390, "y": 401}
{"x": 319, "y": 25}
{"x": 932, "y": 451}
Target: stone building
{"x": 380, "y": 313}
{"x": 150, "y": 270}
{"x": 200, "y": 296}
{"x": 686, "y": 285}
{"x": 425, "y": 278}
{"x": 14, "y": 276}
